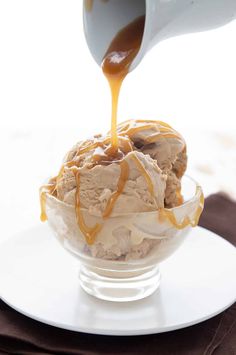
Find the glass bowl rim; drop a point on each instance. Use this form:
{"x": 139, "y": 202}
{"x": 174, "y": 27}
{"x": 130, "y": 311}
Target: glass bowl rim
{"x": 197, "y": 194}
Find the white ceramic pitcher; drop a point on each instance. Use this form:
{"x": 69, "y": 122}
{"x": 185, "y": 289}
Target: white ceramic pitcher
{"x": 163, "y": 19}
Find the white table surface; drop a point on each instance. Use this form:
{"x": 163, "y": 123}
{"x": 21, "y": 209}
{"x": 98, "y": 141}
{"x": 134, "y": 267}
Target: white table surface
{"x": 194, "y": 286}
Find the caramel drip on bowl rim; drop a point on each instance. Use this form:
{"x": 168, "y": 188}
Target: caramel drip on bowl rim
{"x": 145, "y": 174}
{"x": 43, "y": 191}
{"x": 124, "y": 174}
{"x": 179, "y": 196}
{"x": 165, "y": 213}
{"x": 51, "y": 187}
{"x": 89, "y": 233}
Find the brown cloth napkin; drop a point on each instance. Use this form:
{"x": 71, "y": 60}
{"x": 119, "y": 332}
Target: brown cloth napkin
{"x": 21, "y": 335}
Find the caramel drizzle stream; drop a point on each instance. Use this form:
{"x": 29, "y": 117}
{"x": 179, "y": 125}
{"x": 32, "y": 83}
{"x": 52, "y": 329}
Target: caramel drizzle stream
{"x": 116, "y": 63}
{"x": 115, "y": 85}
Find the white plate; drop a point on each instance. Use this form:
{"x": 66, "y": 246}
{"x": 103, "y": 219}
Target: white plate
{"x": 39, "y": 279}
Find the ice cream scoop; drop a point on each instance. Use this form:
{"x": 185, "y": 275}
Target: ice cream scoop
{"x": 166, "y": 146}
{"x": 99, "y": 183}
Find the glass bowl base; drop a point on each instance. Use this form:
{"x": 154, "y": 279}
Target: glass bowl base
{"x": 121, "y": 286}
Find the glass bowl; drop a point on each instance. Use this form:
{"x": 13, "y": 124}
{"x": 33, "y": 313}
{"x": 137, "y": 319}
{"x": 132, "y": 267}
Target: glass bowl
{"x": 123, "y": 263}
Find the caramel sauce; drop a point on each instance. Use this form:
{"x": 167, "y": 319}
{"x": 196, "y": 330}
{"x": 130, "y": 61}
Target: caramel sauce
{"x": 115, "y": 85}
{"x": 132, "y": 122}
{"x": 131, "y": 131}
{"x": 125, "y": 146}
{"x": 180, "y": 199}
{"x": 116, "y": 63}
{"x": 43, "y": 197}
{"x": 89, "y": 233}
{"x": 85, "y": 148}
{"x": 165, "y": 213}
{"x": 103, "y": 150}
{"x": 199, "y": 210}
{"x": 124, "y": 174}
{"x": 132, "y": 127}
{"x": 145, "y": 174}
{"x": 44, "y": 190}
{"x": 153, "y": 138}
{"x": 89, "y": 4}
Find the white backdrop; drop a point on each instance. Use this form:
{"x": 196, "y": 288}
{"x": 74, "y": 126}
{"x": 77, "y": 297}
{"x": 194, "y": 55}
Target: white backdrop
{"x": 52, "y": 94}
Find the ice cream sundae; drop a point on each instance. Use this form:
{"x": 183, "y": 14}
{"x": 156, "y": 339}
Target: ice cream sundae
{"x": 120, "y": 201}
